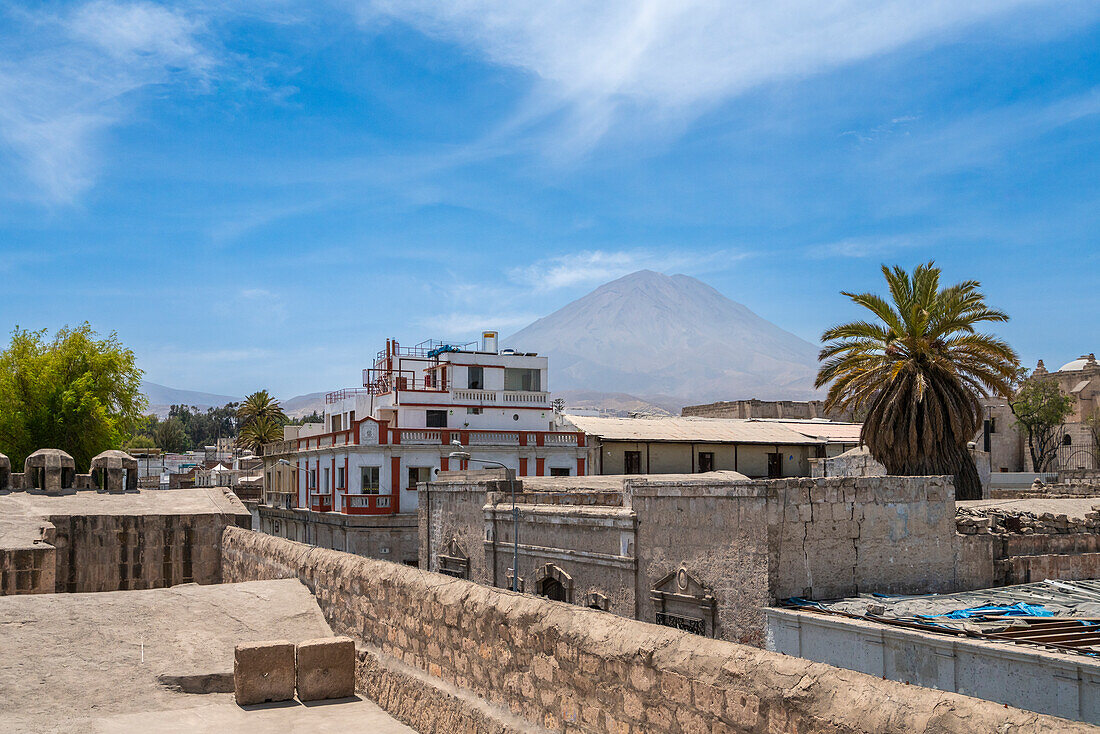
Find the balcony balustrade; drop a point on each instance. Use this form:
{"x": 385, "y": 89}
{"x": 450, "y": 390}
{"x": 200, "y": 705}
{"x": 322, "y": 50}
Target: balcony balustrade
{"x": 368, "y": 504}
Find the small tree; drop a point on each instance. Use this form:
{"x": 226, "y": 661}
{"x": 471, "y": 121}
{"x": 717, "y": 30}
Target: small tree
{"x": 1093, "y": 422}
{"x": 1041, "y": 409}
{"x": 170, "y": 436}
{"x": 78, "y": 392}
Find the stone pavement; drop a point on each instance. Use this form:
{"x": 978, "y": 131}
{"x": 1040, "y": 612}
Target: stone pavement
{"x": 116, "y": 661}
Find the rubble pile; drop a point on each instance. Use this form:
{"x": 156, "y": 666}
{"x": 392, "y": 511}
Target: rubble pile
{"x": 973, "y": 521}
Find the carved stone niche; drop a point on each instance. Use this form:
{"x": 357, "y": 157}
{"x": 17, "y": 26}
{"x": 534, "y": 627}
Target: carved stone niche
{"x": 682, "y": 602}
{"x": 596, "y": 600}
{"x": 5, "y": 472}
{"x": 553, "y": 583}
{"x": 453, "y": 561}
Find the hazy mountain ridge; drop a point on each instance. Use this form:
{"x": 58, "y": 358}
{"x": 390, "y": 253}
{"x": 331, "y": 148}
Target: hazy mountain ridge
{"x": 648, "y": 335}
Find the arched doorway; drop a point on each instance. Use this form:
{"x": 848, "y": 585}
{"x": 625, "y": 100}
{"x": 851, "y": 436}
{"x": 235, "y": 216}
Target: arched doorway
{"x": 551, "y": 588}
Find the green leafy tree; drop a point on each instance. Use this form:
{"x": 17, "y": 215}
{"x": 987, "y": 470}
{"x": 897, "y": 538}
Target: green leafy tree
{"x": 1041, "y": 409}
{"x": 313, "y": 417}
{"x": 77, "y": 391}
{"x": 170, "y": 436}
{"x": 141, "y": 441}
{"x": 918, "y": 370}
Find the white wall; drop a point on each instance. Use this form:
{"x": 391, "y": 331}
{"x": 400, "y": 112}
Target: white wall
{"x": 1062, "y": 685}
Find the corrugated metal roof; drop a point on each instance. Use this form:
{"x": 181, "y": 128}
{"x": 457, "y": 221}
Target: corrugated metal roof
{"x": 825, "y": 430}
{"x": 1064, "y": 615}
{"x": 699, "y": 430}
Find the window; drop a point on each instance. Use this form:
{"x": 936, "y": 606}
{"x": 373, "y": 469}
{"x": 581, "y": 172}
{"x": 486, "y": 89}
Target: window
{"x": 436, "y": 419}
{"x": 1067, "y": 440}
{"x": 992, "y": 425}
{"x": 370, "y": 481}
{"x": 312, "y": 479}
{"x": 706, "y": 461}
{"x": 526, "y": 380}
{"x": 475, "y": 378}
{"x": 632, "y": 462}
{"x": 473, "y": 411}
{"x": 418, "y": 474}
{"x": 327, "y": 485}
{"x": 336, "y": 423}
{"x": 340, "y": 477}
{"x": 556, "y": 471}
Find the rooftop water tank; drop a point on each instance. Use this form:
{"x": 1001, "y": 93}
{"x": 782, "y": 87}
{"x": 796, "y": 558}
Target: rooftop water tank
{"x": 489, "y": 342}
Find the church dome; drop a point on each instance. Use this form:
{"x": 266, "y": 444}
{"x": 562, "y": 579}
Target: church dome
{"x": 1078, "y": 364}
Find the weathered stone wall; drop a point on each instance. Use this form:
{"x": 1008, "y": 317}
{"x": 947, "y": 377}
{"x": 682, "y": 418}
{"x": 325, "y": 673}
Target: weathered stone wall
{"x": 838, "y": 537}
{"x": 572, "y": 669}
{"x": 449, "y": 510}
{"x": 113, "y": 553}
{"x": 27, "y": 570}
{"x": 852, "y": 463}
{"x": 746, "y": 542}
{"x": 386, "y": 537}
{"x": 1025, "y": 546}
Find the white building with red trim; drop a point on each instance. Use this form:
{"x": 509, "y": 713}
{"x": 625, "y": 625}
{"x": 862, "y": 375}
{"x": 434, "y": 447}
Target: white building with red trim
{"x": 379, "y": 440}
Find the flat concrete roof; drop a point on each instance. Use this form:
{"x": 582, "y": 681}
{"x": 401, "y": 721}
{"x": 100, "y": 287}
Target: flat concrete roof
{"x": 106, "y": 661}
{"x": 24, "y": 514}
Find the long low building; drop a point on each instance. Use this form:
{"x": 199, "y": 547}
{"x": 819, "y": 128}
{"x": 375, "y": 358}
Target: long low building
{"x": 768, "y": 448}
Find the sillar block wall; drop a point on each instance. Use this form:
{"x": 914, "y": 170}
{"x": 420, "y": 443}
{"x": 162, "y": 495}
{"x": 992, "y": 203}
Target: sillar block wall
{"x": 571, "y": 669}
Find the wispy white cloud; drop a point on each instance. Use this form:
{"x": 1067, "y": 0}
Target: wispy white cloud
{"x": 664, "y": 60}
{"x": 66, "y": 77}
{"x": 593, "y": 267}
{"x": 465, "y": 324}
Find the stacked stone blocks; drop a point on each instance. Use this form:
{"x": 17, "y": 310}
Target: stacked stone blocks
{"x": 570, "y": 669}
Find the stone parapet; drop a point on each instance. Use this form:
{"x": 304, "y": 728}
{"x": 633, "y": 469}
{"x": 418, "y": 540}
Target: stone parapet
{"x": 571, "y": 669}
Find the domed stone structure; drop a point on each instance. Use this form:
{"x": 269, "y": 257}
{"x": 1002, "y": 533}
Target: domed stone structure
{"x": 115, "y": 471}
{"x": 5, "y": 472}
{"x": 50, "y": 470}
{"x": 1082, "y": 363}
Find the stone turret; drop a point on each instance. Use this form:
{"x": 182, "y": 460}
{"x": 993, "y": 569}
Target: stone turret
{"x": 115, "y": 471}
{"x": 49, "y": 470}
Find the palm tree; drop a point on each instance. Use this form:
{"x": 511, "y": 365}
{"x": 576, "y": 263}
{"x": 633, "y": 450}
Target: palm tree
{"x": 258, "y": 432}
{"x": 918, "y": 371}
{"x": 260, "y": 405}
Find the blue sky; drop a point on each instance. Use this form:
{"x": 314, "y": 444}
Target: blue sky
{"x": 258, "y": 197}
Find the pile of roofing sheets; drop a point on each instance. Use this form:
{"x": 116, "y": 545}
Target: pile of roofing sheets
{"x": 1063, "y": 615}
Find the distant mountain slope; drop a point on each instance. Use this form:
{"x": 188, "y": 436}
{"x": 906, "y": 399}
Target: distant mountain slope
{"x": 161, "y": 398}
{"x": 301, "y": 405}
{"x": 649, "y": 334}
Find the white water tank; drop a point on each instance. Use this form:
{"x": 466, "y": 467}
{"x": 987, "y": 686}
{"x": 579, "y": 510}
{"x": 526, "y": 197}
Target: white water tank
{"x": 489, "y": 342}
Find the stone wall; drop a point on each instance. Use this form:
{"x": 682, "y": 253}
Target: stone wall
{"x": 1025, "y": 546}
{"x": 386, "y": 537}
{"x": 95, "y": 541}
{"x": 571, "y": 669}
{"x": 115, "y": 553}
{"x": 746, "y": 543}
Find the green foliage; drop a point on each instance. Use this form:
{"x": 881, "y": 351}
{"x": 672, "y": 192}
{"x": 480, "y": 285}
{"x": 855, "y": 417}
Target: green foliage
{"x": 313, "y": 417}
{"x": 260, "y": 431}
{"x": 261, "y": 405}
{"x": 262, "y": 420}
{"x": 140, "y": 441}
{"x": 1041, "y": 409}
{"x": 77, "y": 392}
{"x": 917, "y": 371}
{"x": 170, "y": 436}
